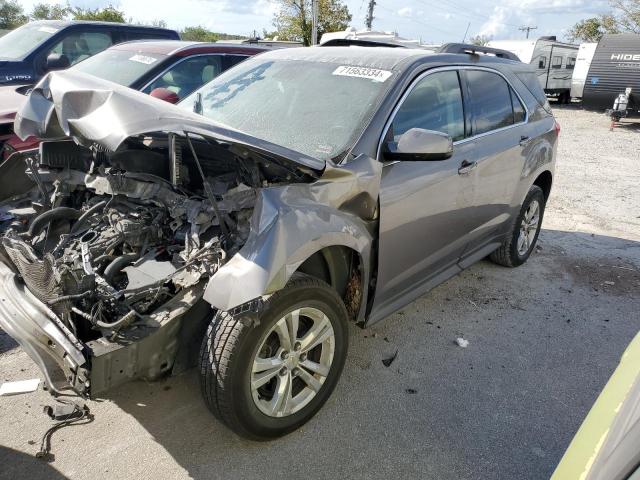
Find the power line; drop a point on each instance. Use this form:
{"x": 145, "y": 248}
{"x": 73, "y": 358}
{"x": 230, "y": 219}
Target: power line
{"x": 527, "y": 29}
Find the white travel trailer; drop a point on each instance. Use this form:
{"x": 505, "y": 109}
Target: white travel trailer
{"x": 585, "y": 55}
{"x": 553, "y": 60}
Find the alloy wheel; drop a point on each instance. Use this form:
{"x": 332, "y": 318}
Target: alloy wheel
{"x": 292, "y": 362}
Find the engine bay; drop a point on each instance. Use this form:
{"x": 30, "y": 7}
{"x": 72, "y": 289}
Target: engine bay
{"x": 105, "y": 239}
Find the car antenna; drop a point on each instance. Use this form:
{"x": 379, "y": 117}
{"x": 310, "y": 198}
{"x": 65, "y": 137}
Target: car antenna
{"x": 207, "y": 189}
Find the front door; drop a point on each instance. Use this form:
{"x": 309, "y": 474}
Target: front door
{"x": 425, "y": 206}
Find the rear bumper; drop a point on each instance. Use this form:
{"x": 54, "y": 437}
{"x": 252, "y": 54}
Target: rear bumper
{"x": 62, "y": 358}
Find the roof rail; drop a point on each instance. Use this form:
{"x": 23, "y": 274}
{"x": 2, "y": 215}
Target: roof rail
{"x": 347, "y": 42}
{"x": 476, "y": 49}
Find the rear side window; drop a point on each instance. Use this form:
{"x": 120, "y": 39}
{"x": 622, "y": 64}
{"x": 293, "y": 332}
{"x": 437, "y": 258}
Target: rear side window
{"x": 435, "y": 103}
{"x": 490, "y": 101}
{"x": 530, "y": 80}
{"x": 557, "y": 62}
{"x": 518, "y": 109}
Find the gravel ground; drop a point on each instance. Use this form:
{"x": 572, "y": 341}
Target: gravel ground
{"x": 544, "y": 339}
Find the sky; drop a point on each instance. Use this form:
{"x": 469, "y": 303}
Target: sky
{"x": 432, "y": 21}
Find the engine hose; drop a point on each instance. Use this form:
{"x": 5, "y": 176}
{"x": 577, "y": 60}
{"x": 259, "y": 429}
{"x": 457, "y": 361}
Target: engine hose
{"x": 85, "y": 216}
{"x": 118, "y": 264}
{"x": 122, "y": 322}
{"x": 42, "y": 220}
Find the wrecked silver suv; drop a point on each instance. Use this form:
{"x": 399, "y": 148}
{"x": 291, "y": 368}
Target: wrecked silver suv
{"x": 311, "y": 188}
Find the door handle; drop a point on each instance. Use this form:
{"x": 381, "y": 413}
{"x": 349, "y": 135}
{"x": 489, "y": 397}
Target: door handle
{"x": 466, "y": 167}
{"x": 524, "y": 140}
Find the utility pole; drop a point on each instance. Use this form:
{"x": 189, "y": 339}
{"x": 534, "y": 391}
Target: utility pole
{"x": 314, "y": 22}
{"x": 369, "y": 20}
{"x": 527, "y": 29}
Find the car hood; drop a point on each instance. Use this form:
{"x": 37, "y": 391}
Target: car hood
{"x": 11, "y": 99}
{"x": 94, "y": 111}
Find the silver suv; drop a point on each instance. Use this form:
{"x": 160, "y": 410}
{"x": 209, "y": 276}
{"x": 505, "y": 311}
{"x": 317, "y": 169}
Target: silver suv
{"x": 244, "y": 229}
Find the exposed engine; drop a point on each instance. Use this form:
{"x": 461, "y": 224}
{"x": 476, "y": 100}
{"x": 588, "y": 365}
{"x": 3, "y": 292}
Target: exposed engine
{"x": 104, "y": 247}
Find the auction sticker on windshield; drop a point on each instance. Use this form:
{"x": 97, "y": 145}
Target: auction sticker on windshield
{"x": 143, "y": 59}
{"x": 363, "y": 72}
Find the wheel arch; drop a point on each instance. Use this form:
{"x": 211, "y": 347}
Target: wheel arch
{"x": 544, "y": 180}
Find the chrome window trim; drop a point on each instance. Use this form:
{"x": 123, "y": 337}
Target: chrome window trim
{"x": 172, "y": 66}
{"x": 455, "y": 68}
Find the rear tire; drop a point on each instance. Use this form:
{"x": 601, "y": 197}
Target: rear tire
{"x": 238, "y": 354}
{"x": 522, "y": 238}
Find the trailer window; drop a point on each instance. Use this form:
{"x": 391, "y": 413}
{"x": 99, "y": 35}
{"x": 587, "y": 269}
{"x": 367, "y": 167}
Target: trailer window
{"x": 571, "y": 63}
{"x": 557, "y": 62}
{"x": 542, "y": 62}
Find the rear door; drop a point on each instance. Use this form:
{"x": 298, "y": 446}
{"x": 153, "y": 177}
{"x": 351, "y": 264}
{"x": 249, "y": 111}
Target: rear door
{"x": 499, "y": 129}
{"x": 425, "y": 206}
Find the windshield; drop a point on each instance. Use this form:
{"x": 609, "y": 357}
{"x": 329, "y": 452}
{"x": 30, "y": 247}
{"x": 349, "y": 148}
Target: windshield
{"x": 120, "y": 66}
{"x": 316, "y": 108}
{"x": 18, "y": 43}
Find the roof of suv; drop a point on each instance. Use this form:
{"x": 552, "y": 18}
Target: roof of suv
{"x": 182, "y": 48}
{"x": 66, "y": 23}
{"x": 377, "y": 57}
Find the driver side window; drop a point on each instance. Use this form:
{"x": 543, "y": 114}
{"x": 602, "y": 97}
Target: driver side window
{"x": 80, "y": 45}
{"x": 435, "y": 103}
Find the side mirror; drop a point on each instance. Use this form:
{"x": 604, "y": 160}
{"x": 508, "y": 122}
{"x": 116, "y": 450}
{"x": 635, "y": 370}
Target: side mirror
{"x": 56, "y": 61}
{"x": 165, "y": 94}
{"x": 420, "y": 144}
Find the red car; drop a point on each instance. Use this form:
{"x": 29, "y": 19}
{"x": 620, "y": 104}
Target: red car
{"x": 167, "y": 69}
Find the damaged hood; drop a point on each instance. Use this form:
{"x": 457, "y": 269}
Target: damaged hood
{"x": 94, "y": 111}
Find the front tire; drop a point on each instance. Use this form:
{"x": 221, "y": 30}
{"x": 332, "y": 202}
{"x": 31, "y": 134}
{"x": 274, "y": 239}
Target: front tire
{"x": 521, "y": 240}
{"x": 265, "y": 379}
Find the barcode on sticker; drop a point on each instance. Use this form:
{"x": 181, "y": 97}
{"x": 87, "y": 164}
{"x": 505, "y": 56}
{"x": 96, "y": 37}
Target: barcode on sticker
{"x": 363, "y": 72}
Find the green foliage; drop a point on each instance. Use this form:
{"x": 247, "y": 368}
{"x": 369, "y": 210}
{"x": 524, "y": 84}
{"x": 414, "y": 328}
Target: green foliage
{"x": 624, "y": 18}
{"x": 46, "y": 11}
{"x": 11, "y": 15}
{"x": 481, "y": 40}
{"x": 293, "y": 20}
{"x": 199, "y": 34}
{"x": 107, "y": 14}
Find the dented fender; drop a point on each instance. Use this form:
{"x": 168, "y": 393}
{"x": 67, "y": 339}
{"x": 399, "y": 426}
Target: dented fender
{"x": 290, "y": 223}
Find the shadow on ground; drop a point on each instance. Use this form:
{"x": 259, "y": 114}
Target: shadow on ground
{"x": 15, "y": 465}
{"x": 544, "y": 339}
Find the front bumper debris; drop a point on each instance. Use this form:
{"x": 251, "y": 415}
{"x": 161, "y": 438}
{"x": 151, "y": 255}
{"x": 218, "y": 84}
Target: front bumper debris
{"x": 62, "y": 358}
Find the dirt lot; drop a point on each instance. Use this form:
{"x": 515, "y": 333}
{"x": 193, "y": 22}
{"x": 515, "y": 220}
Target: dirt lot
{"x": 544, "y": 338}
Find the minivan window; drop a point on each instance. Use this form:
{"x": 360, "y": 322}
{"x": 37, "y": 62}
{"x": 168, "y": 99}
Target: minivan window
{"x": 490, "y": 101}
{"x": 81, "y": 45}
{"x": 18, "y": 43}
{"x": 435, "y": 103}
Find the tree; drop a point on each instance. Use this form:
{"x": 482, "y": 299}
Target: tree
{"x": 107, "y": 14}
{"x": 592, "y": 29}
{"x": 199, "y": 34}
{"x": 624, "y": 18}
{"x": 46, "y": 11}
{"x": 480, "y": 40}
{"x": 11, "y": 15}
{"x": 293, "y": 20}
